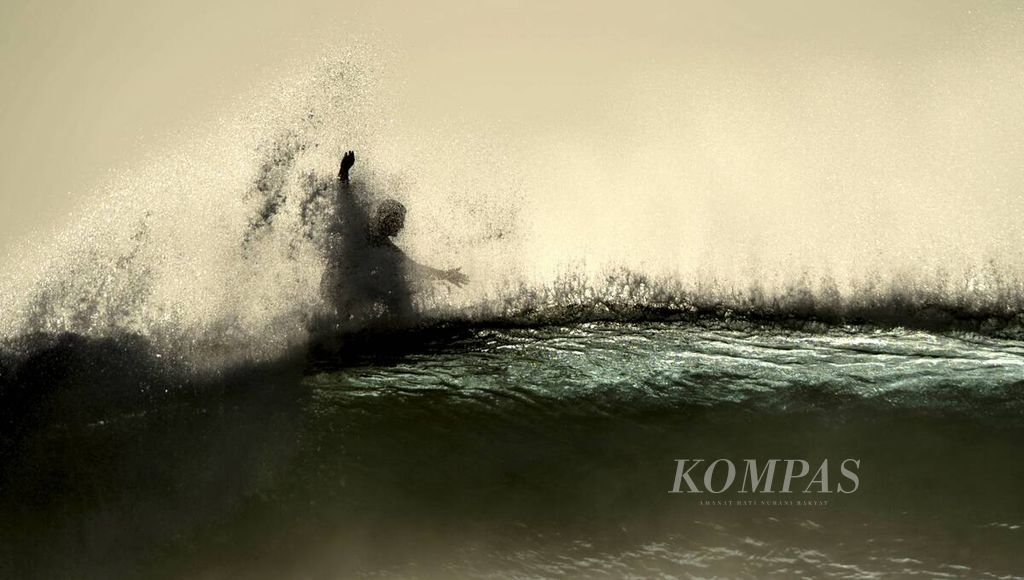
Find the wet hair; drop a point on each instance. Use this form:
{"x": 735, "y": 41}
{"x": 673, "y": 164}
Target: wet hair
{"x": 388, "y": 211}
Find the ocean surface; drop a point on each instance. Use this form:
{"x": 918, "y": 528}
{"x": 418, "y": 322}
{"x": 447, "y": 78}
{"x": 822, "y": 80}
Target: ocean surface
{"x": 517, "y": 452}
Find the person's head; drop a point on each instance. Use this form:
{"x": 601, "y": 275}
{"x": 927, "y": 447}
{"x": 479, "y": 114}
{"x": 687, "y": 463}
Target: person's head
{"x": 389, "y": 219}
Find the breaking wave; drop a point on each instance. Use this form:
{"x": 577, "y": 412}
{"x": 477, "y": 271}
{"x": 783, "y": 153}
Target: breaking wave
{"x": 983, "y": 302}
{"x": 211, "y": 258}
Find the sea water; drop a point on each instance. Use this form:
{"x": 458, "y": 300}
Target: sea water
{"x": 546, "y": 452}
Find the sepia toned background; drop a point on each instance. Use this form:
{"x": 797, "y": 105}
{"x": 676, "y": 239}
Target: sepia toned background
{"x": 630, "y": 130}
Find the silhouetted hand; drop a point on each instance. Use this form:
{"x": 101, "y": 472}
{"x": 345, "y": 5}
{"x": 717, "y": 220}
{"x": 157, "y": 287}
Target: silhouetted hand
{"x": 347, "y": 161}
{"x": 455, "y": 276}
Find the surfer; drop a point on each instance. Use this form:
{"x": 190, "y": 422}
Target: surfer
{"x": 365, "y": 266}
{"x": 388, "y": 222}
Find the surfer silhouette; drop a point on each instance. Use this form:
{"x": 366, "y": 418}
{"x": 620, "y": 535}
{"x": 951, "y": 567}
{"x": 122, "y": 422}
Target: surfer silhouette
{"x": 366, "y": 269}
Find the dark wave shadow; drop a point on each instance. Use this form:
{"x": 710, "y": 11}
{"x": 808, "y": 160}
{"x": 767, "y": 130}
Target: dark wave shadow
{"x": 120, "y": 466}
{"x": 109, "y": 455}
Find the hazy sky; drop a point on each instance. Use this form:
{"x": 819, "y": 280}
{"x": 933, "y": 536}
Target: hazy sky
{"x": 749, "y": 115}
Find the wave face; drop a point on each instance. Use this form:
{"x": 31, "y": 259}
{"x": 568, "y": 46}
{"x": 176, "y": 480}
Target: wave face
{"x": 541, "y": 452}
{"x": 601, "y": 366}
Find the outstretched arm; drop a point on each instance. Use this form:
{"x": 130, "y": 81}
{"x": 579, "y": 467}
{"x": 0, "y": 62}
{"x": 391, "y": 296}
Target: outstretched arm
{"x": 454, "y": 275}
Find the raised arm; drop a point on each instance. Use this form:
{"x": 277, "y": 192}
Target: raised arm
{"x": 347, "y": 161}
{"x": 347, "y": 205}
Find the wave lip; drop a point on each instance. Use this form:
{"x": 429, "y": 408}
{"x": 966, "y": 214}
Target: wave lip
{"x": 626, "y": 295}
